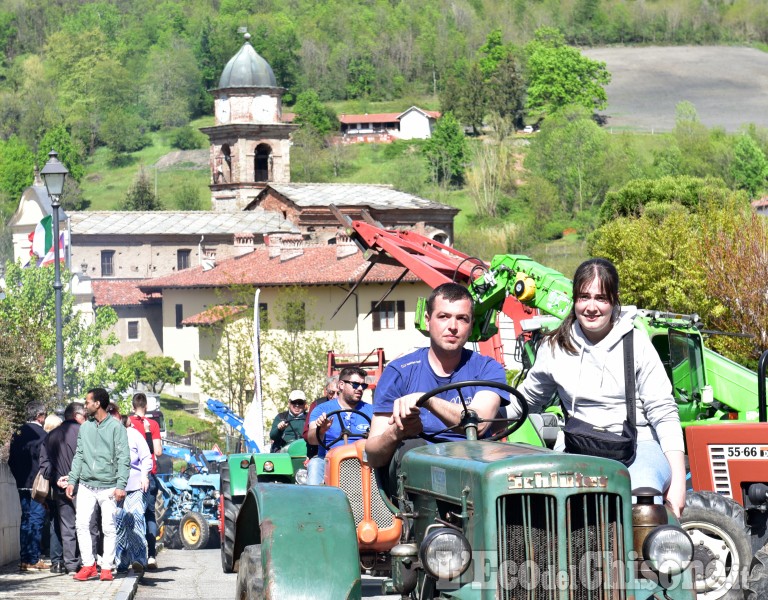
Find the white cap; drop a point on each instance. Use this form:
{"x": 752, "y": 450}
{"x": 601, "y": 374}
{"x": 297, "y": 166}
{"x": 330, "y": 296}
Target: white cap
{"x": 297, "y": 395}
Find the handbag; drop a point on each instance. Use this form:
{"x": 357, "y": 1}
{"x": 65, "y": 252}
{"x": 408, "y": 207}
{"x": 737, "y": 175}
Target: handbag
{"x": 584, "y": 438}
{"x": 41, "y": 487}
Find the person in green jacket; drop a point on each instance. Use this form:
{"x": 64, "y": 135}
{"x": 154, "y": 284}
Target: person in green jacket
{"x": 288, "y": 425}
{"x": 100, "y": 471}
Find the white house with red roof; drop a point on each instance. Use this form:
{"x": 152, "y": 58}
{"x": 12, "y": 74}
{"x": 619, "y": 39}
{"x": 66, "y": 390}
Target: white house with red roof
{"x": 413, "y": 123}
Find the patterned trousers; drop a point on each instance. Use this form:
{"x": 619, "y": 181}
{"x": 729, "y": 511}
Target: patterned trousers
{"x": 131, "y": 530}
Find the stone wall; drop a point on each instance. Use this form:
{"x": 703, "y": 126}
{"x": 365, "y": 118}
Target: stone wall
{"x": 10, "y": 515}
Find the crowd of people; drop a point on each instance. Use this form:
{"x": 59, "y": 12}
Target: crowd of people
{"x": 100, "y": 466}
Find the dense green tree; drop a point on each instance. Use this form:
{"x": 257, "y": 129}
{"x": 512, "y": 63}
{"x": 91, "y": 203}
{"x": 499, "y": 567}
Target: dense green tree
{"x": 559, "y": 75}
{"x": 171, "y": 84}
{"x": 447, "y": 152}
{"x": 21, "y": 366}
{"x": 569, "y": 151}
{"x": 506, "y": 90}
{"x": 16, "y": 167}
{"x": 311, "y": 112}
{"x": 124, "y": 132}
{"x": 188, "y": 196}
{"x": 153, "y": 371}
{"x": 690, "y": 192}
{"x": 71, "y": 152}
{"x": 491, "y": 53}
{"x": 141, "y": 195}
{"x": 749, "y": 166}
{"x": 29, "y": 310}
{"x": 188, "y": 138}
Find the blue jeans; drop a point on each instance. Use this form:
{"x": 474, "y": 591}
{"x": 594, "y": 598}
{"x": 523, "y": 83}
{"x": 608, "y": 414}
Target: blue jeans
{"x": 31, "y": 530}
{"x": 651, "y": 468}
{"x": 316, "y": 471}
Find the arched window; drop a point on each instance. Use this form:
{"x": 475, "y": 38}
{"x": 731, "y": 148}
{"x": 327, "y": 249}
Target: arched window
{"x": 262, "y": 162}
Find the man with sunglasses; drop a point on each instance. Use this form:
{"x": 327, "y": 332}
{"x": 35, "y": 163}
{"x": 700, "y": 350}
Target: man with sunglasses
{"x": 321, "y": 427}
{"x": 450, "y": 312}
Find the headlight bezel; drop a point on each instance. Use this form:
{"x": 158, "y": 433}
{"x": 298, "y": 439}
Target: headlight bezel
{"x": 431, "y": 563}
{"x": 664, "y": 564}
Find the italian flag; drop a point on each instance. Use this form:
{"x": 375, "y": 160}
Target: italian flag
{"x": 42, "y": 242}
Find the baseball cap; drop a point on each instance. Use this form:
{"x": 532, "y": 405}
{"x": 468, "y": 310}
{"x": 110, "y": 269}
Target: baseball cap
{"x": 297, "y": 396}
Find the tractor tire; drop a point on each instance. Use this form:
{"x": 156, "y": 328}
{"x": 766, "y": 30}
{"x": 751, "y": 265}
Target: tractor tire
{"x": 194, "y": 531}
{"x": 250, "y": 575}
{"x": 722, "y": 548}
{"x": 171, "y": 536}
{"x": 227, "y": 536}
{"x": 757, "y": 582}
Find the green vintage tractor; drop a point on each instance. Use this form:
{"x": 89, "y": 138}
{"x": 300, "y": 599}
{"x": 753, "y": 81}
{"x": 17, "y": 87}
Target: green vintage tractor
{"x": 240, "y": 472}
{"x": 481, "y": 520}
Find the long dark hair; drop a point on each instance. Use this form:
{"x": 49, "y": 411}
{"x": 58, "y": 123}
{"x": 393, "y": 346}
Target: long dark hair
{"x": 607, "y": 276}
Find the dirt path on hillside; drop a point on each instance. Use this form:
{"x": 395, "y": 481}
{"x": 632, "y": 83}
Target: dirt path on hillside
{"x": 184, "y": 159}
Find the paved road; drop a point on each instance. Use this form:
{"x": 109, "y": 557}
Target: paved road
{"x": 197, "y": 575}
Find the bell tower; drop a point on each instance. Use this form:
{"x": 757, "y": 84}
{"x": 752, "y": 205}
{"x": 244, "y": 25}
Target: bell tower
{"x": 250, "y": 145}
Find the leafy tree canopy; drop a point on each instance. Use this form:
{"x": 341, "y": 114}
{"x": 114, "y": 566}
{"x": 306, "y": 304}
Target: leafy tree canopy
{"x": 690, "y": 192}
{"x": 29, "y": 310}
{"x": 141, "y": 195}
{"x": 559, "y": 75}
{"x": 311, "y": 112}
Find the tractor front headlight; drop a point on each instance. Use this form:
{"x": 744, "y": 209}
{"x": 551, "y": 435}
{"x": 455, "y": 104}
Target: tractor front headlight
{"x": 268, "y": 466}
{"x": 668, "y": 550}
{"x": 301, "y": 476}
{"x": 445, "y": 553}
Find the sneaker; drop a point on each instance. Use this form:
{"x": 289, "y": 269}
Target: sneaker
{"x": 152, "y": 563}
{"x": 86, "y": 573}
{"x": 137, "y": 567}
{"x": 106, "y": 574}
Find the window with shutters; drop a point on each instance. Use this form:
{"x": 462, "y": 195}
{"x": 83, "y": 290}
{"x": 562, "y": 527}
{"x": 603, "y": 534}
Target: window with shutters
{"x": 107, "y": 263}
{"x": 187, "y": 372}
{"x": 133, "y": 330}
{"x": 182, "y": 259}
{"x": 179, "y": 315}
{"x": 389, "y": 314}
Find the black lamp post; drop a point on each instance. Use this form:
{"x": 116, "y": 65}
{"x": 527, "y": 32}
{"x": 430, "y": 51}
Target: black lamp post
{"x": 54, "y": 173}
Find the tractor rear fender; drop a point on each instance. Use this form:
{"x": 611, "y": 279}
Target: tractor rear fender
{"x": 315, "y": 521}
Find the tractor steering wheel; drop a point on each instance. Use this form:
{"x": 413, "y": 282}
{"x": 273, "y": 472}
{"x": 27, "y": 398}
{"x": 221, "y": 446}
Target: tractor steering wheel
{"x": 344, "y": 430}
{"x": 513, "y": 424}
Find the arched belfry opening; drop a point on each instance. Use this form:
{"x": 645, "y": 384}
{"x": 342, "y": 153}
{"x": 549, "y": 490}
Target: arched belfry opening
{"x": 263, "y": 162}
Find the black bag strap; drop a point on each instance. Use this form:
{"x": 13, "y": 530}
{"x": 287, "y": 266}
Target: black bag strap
{"x": 629, "y": 379}
{"x": 629, "y": 375}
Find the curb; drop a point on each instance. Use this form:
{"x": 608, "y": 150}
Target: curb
{"x": 128, "y": 588}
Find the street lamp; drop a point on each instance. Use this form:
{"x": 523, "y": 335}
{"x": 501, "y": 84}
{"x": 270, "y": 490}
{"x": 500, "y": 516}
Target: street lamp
{"x": 54, "y": 173}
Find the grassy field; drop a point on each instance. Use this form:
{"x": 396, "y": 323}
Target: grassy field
{"x": 105, "y": 186}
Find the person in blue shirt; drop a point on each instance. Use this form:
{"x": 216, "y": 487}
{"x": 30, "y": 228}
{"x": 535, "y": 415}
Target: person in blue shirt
{"x": 450, "y": 312}
{"x": 329, "y": 429}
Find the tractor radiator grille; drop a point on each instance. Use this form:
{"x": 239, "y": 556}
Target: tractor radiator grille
{"x": 536, "y": 549}
{"x": 721, "y": 475}
{"x": 350, "y": 475}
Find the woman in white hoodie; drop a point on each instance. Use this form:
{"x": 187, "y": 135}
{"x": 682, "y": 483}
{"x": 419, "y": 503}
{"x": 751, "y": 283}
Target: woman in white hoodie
{"x": 583, "y": 362}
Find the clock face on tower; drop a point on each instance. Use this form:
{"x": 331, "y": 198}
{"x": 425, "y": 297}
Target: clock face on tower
{"x": 224, "y": 109}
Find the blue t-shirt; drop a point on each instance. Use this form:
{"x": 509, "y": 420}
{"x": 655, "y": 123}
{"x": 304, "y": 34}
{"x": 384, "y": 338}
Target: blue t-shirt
{"x": 353, "y": 422}
{"x": 412, "y": 373}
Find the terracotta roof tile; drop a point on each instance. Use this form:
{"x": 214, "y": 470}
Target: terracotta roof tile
{"x": 372, "y": 118}
{"x": 122, "y": 292}
{"x": 318, "y": 265}
{"x": 213, "y": 315}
